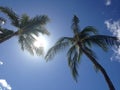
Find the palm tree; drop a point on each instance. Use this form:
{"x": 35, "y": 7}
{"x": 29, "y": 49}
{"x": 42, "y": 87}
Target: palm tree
{"x": 80, "y": 44}
{"x": 27, "y": 28}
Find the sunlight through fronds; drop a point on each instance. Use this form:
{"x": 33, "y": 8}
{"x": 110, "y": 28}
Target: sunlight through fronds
{"x": 26, "y": 28}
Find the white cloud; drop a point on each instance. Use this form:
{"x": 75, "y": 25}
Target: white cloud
{"x": 108, "y": 2}
{"x": 4, "y": 85}
{"x": 1, "y": 63}
{"x": 114, "y": 27}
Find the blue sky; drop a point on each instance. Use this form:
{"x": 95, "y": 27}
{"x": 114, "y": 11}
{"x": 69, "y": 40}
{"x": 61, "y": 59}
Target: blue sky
{"x": 25, "y": 72}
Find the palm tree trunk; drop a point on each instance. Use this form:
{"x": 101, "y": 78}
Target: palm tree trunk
{"x": 8, "y": 37}
{"x": 109, "y": 82}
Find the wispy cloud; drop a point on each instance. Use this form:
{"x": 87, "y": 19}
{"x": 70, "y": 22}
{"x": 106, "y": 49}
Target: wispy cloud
{"x": 108, "y": 2}
{"x": 4, "y": 85}
{"x": 114, "y": 27}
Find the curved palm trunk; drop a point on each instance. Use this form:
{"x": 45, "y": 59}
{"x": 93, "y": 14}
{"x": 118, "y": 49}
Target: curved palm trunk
{"x": 109, "y": 82}
{"x": 8, "y": 37}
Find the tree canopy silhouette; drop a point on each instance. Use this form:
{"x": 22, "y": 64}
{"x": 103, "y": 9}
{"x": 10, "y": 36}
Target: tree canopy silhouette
{"x": 80, "y": 44}
{"x": 26, "y": 29}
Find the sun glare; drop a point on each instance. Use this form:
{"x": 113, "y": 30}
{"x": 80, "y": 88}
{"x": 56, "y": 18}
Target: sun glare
{"x": 41, "y": 42}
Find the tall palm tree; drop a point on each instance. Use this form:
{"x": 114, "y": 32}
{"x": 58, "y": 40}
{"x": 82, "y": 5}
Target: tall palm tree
{"x": 80, "y": 44}
{"x": 27, "y": 28}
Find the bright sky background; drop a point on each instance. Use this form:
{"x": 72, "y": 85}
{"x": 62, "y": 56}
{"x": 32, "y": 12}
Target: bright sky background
{"x": 21, "y": 71}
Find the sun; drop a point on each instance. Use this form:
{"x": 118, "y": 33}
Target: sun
{"x": 41, "y": 41}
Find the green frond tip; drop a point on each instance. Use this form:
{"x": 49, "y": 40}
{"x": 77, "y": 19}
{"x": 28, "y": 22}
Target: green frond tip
{"x": 5, "y": 32}
{"x": 75, "y": 19}
{"x": 61, "y": 44}
{"x": 75, "y": 26}
{"x": 24, "y": 20}
{"x": 56, "y": 48}
{"x": 73, "y": 56}
{"x": 89, "y": 30}
{"x": 35, "y": 25}
{"x": 11, "y": 14}
{"x": 104, "y": 40}
{"x": 42, "y": 19}
{"x": 73, "y": 67}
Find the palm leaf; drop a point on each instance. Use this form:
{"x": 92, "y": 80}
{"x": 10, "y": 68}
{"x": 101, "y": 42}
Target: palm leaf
{"x": 5, "y": 32}
{"x": 71, "y": 53}
{"x": 100, "y": 43}
{"x": 61, "y": 44}
{"x": 21, "y": 41}
{"x": 28, "y": 47}
{"x": 86, "y": 32}
{"x": 89, "y": 30}
{"x": 73, "y": 56}
{"x": 103, "y": 41}
{"x": 36, "y": 21}
{"x": 39, "y": 51}
{"x": 79, "y": 54}
{"x": 27, "y": 43}
{"x": 11, "y": 14}
{"x": 42, "y": 29}
{"x": 36, "y": 25}
{"x": 24, "y": 20}
{"x": 75, "y": 26}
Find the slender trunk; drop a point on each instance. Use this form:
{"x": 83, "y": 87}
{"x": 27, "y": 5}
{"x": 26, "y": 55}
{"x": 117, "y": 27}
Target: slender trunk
{"x": 8, "y": 37}
{"x": 109, "y": 82}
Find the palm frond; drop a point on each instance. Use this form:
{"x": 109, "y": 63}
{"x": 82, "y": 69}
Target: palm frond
{"x": 42, "y": 29}
{"x": 5, "y": 32}
{"x": 36, "y": 21}
{"x": 11, "y": 14}
{"x": 28, "y": 46}
{"x": 36, "y": 26}
{"x": 89, "y": 30}
{"x": 103, "y": 41}
{"x": 39, "y": 51}
{"x": 71, "y": 53}
{"x": 82, "y": 37}
{"x": 65, "y": 39}
{"x": 27, "y": 43}
{"x": 100, "y": 43}
{"x": 79, "y": 55}
{"x": 73, "y": 56}
{"x": 21, "y": 41}
{"x": 75, "y": 26}
{"x": 24, "y": 20}
{"x": 61, "y": 44}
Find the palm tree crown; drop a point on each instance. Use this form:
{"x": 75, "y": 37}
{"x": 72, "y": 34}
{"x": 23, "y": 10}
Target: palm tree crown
{"x": 80, "y": 43}
{"x": 27, "y": 29}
